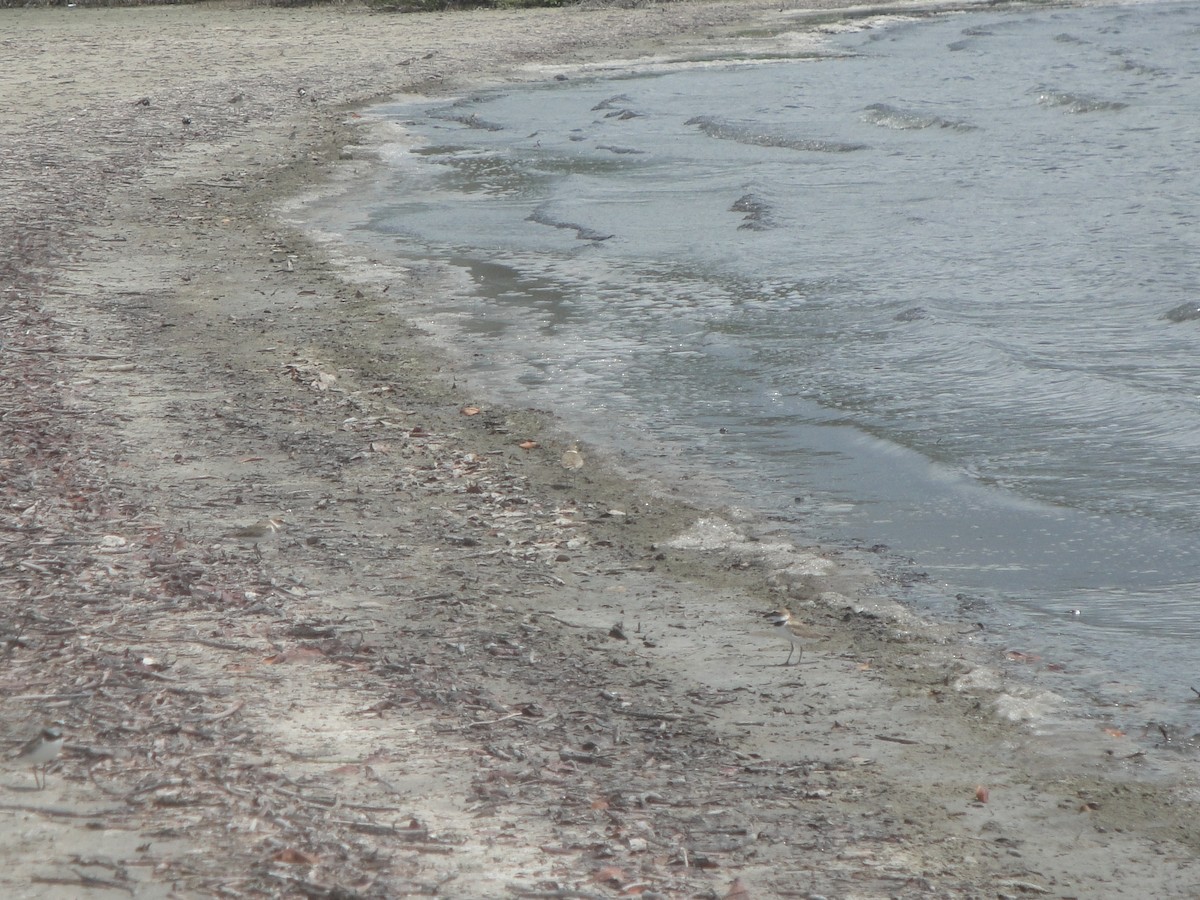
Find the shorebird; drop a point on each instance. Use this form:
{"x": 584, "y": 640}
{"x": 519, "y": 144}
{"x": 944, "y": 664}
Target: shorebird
{"x": 258, "y": 531}
{"x": 40, "y": 751}
{"x": 253, "y": 535}
{"x": 796, "y": 634}
{"x": 572, "y": 461}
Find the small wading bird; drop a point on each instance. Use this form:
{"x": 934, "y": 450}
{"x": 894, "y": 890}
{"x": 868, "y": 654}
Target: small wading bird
{"x": 40, "y": 752}
{"x": 259, "y": 532}
{"x": 793, "y": 632}
{"x": 572, "y": 461}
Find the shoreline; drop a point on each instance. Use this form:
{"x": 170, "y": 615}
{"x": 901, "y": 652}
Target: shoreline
{"x": 378, "y": 138}
{"x": 508, "y": 682}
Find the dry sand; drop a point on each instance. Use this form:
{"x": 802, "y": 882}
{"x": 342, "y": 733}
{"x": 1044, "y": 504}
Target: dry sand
{"x": 317, "y": 628}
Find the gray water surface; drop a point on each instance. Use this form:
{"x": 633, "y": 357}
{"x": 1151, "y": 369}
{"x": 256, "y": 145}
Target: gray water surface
{"x": 931, "y": 288}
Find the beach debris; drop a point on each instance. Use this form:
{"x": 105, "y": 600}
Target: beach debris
{"x": 113, "y": 543}
{"x": 292, "y": 857}
{"x": 1025, "y": 887}
{"x": 1022, "y": 657}
{"x": 895, "y": 740}
{"x": 613, "y": 876}
{"x": 311, "y": 374}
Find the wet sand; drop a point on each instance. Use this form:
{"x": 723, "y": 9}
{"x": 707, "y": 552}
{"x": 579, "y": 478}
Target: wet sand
{"x": 318, "y": 623}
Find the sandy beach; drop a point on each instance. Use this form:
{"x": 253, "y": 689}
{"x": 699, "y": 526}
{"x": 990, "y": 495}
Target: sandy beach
{"x": 319, "y": 623}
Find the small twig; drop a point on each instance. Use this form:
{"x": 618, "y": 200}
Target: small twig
{"x": 560, "y": 894}
{"x": 154, "y": 786}
{"x": 63, "y": 813}
{"x": 83, "y": 880}
{"x": 494, "y": 721}
{"x": 374, "y": 776}
{"x": 57, "y": 352}
{"x": 407, "y": 834}
{"x": 224, "y": 714}
{"x": 546, "y": 615}
{"x": 568, "y": 755}
{"x": 315, "y": 891}
{"x": 185, "y": 691}
{"x": 320, "y": 804}
{"x": 895, "y": 740}
{"x": 367, "y": 827}
{"x": 1025, "y": 886}
{"x": 92, "y": 778}
{"x": 638, "y": 714}
{"x": 208, "y": 642}
{"x": 23, "y": 697}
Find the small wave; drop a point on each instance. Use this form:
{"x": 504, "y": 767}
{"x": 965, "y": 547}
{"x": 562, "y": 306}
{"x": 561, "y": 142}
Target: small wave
{"x": 614, "y": 108}
{"x": 618, "y": 150}
{"x": 1184, "y": 312}
{"x": 582, "y": 232}
{"x": 612, "y": 102}
{"x": 471, "y": 121}
{"x": 1077, "y": 103}
{"x": 727, "y": 132}
{"x": 886, "y": 116}
{"x": 757, "y": 212}
{"x": 1139, "y": 68}
{"x": 912, "y": 314}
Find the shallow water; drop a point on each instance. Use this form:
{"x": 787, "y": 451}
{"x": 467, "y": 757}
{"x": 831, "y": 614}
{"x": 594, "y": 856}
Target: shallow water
{"x": 932, "y": 287}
